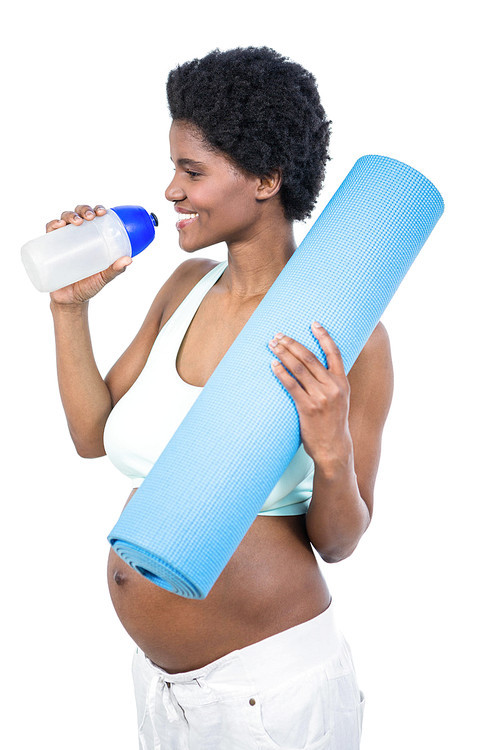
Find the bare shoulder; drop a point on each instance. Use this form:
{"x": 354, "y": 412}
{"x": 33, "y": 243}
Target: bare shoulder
{"x": 178, "y": 286}
{"x": 195, "y": 268}
{"x": 376, "y": 353}
{"x": 371, "y": 377}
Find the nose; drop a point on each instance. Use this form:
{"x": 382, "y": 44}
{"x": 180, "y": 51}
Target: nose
{"x": 174, "y": 192}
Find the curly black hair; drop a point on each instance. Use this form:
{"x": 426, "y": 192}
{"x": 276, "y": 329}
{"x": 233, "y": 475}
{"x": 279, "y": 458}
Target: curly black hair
{"x": 263, "y": 111}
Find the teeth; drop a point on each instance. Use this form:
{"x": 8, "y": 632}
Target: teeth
{"x": 188, "y": 216}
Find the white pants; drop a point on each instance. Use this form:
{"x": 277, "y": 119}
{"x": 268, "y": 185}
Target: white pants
{"x": 294, "y": 690}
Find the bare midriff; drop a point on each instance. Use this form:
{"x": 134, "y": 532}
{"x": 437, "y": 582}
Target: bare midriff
{"x": 271, "y": 583}
{"x": 273, "y": 580}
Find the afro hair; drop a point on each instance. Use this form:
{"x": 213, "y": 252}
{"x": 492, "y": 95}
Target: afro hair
{"x": 261, "y": 110}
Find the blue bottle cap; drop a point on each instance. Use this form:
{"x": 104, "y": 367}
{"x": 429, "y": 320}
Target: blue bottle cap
{"x": 140, "y": 226}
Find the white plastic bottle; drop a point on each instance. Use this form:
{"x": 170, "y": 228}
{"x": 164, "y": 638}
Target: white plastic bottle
{"x": 72, "y": 253}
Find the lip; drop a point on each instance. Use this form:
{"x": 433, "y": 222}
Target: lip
{"x": 182, "y": 223}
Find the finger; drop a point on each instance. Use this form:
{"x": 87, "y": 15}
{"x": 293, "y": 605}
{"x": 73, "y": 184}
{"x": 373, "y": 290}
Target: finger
{"x": 54, "y": 224}
{"x": 70, "y": 217}
{"x": 300, "y": 361}
{"x": 293, "y": 387}
{"x": 120, "y": 264}
{"x": 115, "y": 269}
{"x": 333, "y": 355}
{"x": 297, "y": 369}
{"x": 81, "y": 212}
{"x": 85, "y": 211}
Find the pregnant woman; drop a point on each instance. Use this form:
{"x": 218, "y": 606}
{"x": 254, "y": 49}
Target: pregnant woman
{"x": 259, "y": 663}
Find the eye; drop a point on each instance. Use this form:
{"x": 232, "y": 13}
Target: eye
{"x": 191, "y": 173}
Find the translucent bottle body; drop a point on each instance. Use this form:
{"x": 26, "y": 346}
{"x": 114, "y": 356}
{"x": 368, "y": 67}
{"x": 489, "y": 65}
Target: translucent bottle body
{"x": 72, "y": 253}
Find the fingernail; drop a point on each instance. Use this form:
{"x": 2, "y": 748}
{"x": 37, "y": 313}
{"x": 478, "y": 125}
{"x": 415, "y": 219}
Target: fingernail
{"x": 316, "y": 324}
{"x": 89, "y": 213}
{"x": 278, "y": 336}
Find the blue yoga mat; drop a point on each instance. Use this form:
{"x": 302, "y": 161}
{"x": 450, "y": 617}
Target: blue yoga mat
{"x": 203, "y": 493}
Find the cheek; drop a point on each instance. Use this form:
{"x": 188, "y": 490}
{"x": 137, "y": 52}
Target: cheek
{"x": 238, "y": 202}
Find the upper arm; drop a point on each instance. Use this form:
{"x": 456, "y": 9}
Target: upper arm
{"x": 129, "y": 366}
{"x": 371, "y": 380}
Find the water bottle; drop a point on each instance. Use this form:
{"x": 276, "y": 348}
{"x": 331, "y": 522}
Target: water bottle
{"x": 72, "y": 253}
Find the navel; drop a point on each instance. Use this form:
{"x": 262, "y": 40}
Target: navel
{"x": 119, "y": 578}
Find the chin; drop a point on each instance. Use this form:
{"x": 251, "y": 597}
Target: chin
{"x": 192, "y": 247}
{"x": 188, "y": 247}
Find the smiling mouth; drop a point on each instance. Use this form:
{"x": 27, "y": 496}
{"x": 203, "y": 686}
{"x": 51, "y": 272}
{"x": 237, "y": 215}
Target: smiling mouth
{"x": 186, "y": 220}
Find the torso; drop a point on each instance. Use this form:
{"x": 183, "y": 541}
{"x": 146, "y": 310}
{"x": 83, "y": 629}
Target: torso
{"x": 271, "y": 583}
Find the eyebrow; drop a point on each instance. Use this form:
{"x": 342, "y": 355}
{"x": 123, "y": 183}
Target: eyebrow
{"x": 189, "y": 162}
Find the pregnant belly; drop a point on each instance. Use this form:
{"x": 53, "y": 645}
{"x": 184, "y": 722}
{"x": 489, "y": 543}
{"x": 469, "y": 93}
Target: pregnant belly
{"x": 271, "y": 583}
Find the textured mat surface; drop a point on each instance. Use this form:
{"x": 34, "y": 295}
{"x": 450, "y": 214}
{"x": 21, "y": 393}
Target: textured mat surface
{"x": 203, "y": 493}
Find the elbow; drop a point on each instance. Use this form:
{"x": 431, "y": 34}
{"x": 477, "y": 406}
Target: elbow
{"x": 338, "y": 555}
{"x": 342, "y": 551}
{"x": 89, "y": 450}
{"x": 88, "y": 447}
{"x": 90, "y": 454}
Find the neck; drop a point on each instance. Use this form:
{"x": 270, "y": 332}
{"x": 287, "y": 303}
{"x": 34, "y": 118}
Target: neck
{"x": 254, "y": 264}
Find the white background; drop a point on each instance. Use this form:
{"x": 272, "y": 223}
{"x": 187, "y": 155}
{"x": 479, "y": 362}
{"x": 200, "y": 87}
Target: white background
{"x": 85, "y": 120}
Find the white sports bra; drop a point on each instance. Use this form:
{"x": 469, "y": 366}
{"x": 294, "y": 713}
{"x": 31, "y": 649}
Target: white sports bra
{"x": 143, "y": 421}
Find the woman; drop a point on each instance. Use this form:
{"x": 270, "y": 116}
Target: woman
{"x": 258, "y": 663}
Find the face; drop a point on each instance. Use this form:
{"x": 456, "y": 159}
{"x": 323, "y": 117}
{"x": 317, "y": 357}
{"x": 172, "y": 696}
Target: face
{"x": 214, "y": 201}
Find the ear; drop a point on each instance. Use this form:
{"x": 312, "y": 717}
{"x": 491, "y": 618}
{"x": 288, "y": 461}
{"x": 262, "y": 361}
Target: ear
{"x": 269, "y": 185}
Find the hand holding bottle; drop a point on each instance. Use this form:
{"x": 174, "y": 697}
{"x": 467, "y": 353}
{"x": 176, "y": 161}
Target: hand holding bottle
{"x": 95, "y": 247}
{"x": 83, "y": 290}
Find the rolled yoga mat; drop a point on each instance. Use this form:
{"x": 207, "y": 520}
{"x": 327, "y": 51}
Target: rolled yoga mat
{"x": 206, "y": 488}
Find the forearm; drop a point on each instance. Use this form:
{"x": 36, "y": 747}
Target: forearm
{"x": 85, "y": 396}
{"x": 338, "y": 516}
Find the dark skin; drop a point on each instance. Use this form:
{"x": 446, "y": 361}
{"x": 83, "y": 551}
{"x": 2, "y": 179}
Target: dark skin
{"x": 273, "y": 580}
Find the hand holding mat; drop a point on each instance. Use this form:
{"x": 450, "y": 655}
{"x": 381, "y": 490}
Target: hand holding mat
{"x": 203, "y": 493}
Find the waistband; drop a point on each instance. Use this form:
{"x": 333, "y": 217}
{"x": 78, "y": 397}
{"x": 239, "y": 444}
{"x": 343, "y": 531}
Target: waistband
{"x": 271, "y": 660}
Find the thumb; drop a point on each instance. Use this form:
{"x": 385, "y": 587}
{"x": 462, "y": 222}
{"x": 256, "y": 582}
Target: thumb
{"x": 120, "y": 265}
{"x": 115, "y": 269}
